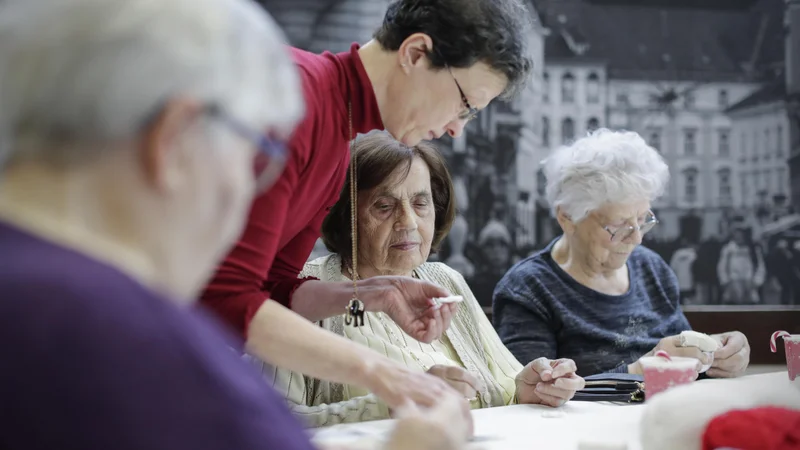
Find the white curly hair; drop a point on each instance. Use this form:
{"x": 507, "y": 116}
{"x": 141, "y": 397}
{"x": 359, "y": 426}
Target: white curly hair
{"x": 603, "y": 167}
{"x": 96, "y": 70}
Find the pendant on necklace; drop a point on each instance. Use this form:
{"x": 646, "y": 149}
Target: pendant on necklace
{"x": 354, "y": 313}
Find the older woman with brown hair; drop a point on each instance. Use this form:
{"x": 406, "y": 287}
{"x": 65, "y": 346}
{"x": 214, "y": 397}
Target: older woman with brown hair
{"x": 406, "y": 206}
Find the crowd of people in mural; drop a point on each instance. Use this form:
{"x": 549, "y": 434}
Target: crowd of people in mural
{"x": 749, "y": 265}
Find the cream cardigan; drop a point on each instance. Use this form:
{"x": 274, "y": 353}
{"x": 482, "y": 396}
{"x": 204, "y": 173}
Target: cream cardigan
{"x": 471, "y": 342}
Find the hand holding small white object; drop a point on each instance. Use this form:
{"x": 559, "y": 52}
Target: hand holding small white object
{"x": 676, "y": 345}
{"x": 548, "y": 382}
{"x": 733, "y": 356}
{"x": 450, "y": 299}
{"x": 701, "y": 341}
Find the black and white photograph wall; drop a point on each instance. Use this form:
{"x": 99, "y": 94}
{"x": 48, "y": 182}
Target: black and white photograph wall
{"x": 712, "y": 85}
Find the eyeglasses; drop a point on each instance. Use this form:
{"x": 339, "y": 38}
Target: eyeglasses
{"x": 270, "y": 158}
{"x": 470, "y": 112}
{"x": 621, "y": 234}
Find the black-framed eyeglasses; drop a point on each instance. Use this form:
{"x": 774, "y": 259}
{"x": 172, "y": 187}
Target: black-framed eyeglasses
{"x": 271, "y": 154}
{"x": 620, "y": 234}
{"x": 470, "y": 112}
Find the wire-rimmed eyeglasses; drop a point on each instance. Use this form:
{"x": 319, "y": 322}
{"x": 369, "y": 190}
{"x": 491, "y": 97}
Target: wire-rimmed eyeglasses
{"x": 470, "y": 111}
{"x": 623, "y": 233}
{"x": 271, "y": 154}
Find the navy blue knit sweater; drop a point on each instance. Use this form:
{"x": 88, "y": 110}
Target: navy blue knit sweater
{"x": 540, "y": 310}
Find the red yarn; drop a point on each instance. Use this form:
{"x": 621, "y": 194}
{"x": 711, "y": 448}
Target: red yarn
{"x": 768, "y": 428}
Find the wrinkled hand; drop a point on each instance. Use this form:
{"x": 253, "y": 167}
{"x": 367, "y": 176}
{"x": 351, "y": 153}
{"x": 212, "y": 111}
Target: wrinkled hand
{"x": 409, "y": 302}
{"x": 446, "y": 426}
{"x": 672, "y": 345}
{"x": 548, "y": 382}
{"x": 397, "y": 385}
{"x": 732, "y": 359}
{"x": 458, "y": 378}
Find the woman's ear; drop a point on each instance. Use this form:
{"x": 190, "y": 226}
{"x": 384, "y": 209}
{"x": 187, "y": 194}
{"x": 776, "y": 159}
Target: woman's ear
{"x": 159, "y": 153}
{"x": 414, "y": 49}
{"x": 564, "y": 221}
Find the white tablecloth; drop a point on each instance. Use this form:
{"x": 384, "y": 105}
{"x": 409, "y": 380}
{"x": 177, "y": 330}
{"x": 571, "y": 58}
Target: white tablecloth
{"x": 529, "y": 426}
{"x": 524, "y": 427}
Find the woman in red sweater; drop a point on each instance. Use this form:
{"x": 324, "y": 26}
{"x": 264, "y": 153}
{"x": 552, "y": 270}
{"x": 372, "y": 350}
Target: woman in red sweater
{"x": 431, "y": 67}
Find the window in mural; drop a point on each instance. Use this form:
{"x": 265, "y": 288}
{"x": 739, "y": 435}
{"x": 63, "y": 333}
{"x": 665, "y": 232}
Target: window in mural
{"x": 593, "y": 88}
{"x": 541, "y": 183}
{"x": 688, "y": 100}
{"x": 742, "y": 147}
{"x": 568, "y": 88}
{"x": 745, "y": 189}
{"x": 722, "y": 98}
{"x": 567, "y": 130}
{"x": 767, "y": 144}
{"x": 546, "y": 88}
{"x": 724, "y": 176}
{"x": 690, "y": 142}
{"x": 622, "y": 99}
{"x": 756, "y": 146}
{"x": 724, "y": 147}
{"x": 654, "y": 138}
{"x": 546, "y": 131}
{"x": 690, "y": 185}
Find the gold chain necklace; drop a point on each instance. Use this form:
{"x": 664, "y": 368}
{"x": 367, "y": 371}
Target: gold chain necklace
{"x": 354, "y": 312}
{"x": 355, "y": 308}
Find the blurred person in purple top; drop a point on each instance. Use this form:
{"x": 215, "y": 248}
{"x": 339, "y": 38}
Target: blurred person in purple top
{"x": 133, "y": 141}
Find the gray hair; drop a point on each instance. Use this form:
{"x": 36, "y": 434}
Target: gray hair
{"x": 80, "y": 71}
{"x": 604, "y": 167}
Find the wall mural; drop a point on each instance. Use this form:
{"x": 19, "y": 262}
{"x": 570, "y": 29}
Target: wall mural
{"x": 725, "y": 254}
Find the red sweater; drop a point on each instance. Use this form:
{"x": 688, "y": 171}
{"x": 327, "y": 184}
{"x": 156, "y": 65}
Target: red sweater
{"x": 285, "y": 222}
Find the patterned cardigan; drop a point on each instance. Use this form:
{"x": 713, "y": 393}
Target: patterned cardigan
{"x": 471, "y": 342}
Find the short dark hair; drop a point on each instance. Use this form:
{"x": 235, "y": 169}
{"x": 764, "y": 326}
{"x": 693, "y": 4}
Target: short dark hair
{"x": 378, "y": 155}
{"x": 465, "y": 32}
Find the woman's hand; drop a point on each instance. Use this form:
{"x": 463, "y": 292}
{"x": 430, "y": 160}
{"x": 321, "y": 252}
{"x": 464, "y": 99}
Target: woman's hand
{"x": 397, "y": 385}
{"x": 672, "y": 345}
{"x": 459, "y": 379}
{"x": 548, "y": 382}
{"x": 732, "y": 359}
{"x": 409, "y": 303}
{"x": 446, "y": 426}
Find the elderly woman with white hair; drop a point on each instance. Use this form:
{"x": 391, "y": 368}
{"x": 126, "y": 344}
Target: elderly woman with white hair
{"x": 594, "y": 294}
{"x": 135, "y": 135}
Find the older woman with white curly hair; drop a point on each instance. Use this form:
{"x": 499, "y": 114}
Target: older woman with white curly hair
{"x": 594, "y": 294}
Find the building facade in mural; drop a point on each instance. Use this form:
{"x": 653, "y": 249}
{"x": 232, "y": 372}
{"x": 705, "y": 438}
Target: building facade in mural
{"x": 698, "y": 81}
